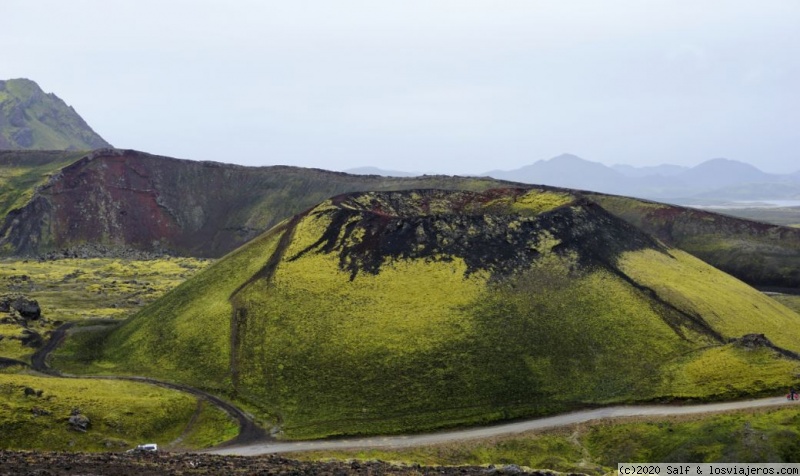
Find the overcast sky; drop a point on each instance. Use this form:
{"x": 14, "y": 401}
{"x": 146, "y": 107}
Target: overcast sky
{"x": 422, "y": 85}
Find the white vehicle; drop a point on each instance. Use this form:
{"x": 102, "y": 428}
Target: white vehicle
{"x": 145, "y": 447}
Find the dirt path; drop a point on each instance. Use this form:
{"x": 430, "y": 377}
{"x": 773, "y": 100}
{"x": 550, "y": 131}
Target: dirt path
{"x": 498, "y": 430}
{"x": 249, "y": 431}
{"x": 39, "y": 358}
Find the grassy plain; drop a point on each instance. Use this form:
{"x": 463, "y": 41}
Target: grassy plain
{"x": 74, "y": 290}
{"x": 88, "y": 292}
{"x": 121, "y": 414}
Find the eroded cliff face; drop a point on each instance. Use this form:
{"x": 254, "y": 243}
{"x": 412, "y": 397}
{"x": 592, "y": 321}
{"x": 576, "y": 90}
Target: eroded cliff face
{"x": 125, "y": 199}
{"x": 110, "y": 198}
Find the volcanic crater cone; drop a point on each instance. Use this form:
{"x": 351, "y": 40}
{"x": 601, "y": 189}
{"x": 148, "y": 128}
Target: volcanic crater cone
{"x": 404, "y": 311}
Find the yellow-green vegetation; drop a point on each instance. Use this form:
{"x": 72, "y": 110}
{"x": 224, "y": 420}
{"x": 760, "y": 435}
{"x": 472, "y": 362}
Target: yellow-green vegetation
{"x": 554, "y": 451}
{"x": 389, "y": 312}
{"x": 184, "y": 336}
{"x": 120, "y": 414}
{"x": 74, "y": 290}
{"x": 729, "y": 371}
{"x": 10, "y": 345}
{"x": 789, "y": 300}
{"x": 726, "y": 304}
{"x": 533, "y": 202}
{"x": 764, "y": 436}
{"x": 744, "y": 437}
{"x": 20, "y": 176}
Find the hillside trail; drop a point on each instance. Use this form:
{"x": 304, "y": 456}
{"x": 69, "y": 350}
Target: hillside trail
{"x": 249, "y": 431}
{"x": 253, "y": 440}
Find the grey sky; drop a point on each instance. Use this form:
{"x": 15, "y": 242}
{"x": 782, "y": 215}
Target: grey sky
{"x": 440, "y": 86}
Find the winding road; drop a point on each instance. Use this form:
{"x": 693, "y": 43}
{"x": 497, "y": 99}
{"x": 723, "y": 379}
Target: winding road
{"x": 249, "y": 431}
{"x": 253, "y": 440}
{"x": 497, "y": 430}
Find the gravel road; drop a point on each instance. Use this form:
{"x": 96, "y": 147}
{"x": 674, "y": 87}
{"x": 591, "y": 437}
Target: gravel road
{"x": 498, "y": 430}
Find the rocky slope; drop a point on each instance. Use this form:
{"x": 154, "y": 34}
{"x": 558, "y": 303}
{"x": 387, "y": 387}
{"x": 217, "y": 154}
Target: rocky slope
{"x": 33, "y": 119}
{"x": 403, "y": 311}
{"x": 129, "y": 199}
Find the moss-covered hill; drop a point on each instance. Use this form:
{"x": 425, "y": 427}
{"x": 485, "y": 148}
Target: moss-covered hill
{"x": 32, "y": 119}
{"x": 385, "y": 312}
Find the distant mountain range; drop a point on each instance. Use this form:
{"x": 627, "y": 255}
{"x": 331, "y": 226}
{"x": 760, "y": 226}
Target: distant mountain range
{"x": 31, "y": 119}
{"x": 716, "y": 179}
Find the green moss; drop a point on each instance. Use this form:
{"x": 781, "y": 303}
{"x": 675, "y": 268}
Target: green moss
{"x": 759, "y": 254}
{"x": 121, "y": 414}
{"x": 10, "y": 345}
{"x": 19, "y": 178}
{"x": 726, "y": 304}
{"x": 52, "y": 124}
{"x": 197, "y": 326}
{"x": 731, "y": 372}
{"x": 538, "y": 201}
{"x": 788, "y": 300}
{"x": 209, "y": 427}
{"x": 552, "y": 451}
{"x": 764, "y": 436}
{"x": 76, "y": 290}
{"x": 744, "y": 437}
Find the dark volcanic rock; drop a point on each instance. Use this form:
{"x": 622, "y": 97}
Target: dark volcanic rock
{"x": 78, "y": 421}
{"x": 152, "y": 464}
{"x": 398, "y": 225}
{"x": 28, "y": 309}
{"x": 753, "y": 341}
